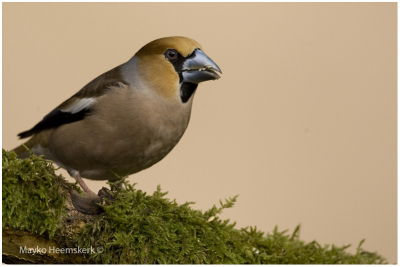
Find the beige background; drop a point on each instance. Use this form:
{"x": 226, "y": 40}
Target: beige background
{"x": 302, "y": 124}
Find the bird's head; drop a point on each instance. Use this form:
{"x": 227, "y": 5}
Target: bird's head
{"x": 174, "y": 66}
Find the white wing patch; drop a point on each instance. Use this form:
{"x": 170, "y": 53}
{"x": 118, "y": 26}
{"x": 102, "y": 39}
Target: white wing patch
{"x": 79, "y": 104}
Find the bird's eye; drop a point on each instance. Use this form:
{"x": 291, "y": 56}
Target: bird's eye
{"x": 171, "y": 54}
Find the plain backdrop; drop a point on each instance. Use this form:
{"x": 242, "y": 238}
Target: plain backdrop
{"x": 302, "y": 123}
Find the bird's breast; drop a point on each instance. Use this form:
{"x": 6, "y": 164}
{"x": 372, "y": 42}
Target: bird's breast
{"x": 126, "y": 133}
{"x": 163, "y": 140}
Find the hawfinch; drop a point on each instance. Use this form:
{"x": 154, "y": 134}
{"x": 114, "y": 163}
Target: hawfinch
{"x": 128, "y": 118}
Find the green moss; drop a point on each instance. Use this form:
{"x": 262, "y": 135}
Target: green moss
{"x": 33, "y": 195}
{"x": 141, "y": 228}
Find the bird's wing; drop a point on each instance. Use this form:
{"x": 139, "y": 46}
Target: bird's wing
{"x": 80, "y": 104}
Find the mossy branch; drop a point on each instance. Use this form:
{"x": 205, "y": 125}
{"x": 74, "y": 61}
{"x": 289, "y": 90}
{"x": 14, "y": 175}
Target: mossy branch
{"x": 41, "y": 224}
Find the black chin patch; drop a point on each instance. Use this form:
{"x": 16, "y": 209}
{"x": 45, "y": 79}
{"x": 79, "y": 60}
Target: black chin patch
{"x": 187, "y": 90}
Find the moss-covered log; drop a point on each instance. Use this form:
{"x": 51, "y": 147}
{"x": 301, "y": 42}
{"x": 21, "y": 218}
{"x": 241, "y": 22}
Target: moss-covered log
{"x": 43, "y": 222}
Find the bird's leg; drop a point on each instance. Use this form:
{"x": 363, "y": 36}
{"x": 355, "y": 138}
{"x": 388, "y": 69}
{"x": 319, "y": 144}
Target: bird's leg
{"x": 121, "y": 185}
{"x": 78, "y": 177}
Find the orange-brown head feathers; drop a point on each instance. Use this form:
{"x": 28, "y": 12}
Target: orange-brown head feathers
{"x": 173, "y": 67}
{"x": 185, "y": 46}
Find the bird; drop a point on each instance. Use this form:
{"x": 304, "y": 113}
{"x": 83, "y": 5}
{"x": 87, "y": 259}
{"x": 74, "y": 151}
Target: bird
{"x": 127, "y": 119}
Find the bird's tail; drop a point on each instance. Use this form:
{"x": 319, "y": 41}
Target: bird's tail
{"x": 23, "y": 151}
{"x": 38, "y": 143}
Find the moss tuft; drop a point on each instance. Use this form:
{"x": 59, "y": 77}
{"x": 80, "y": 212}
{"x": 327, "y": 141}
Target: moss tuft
{"x": 33, "y": 195}
{"x": 141, "y": 228}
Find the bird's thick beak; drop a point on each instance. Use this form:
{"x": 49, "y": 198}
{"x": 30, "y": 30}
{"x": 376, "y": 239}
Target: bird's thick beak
{"x": 199, "y": 68}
